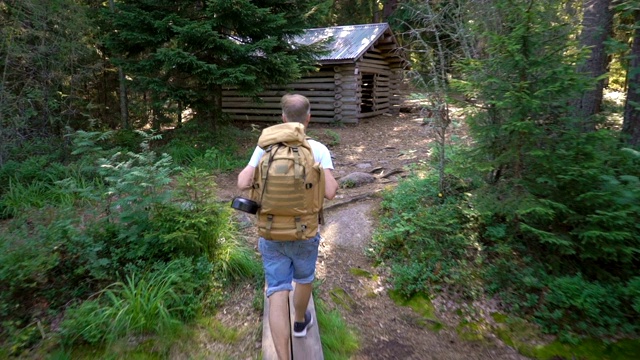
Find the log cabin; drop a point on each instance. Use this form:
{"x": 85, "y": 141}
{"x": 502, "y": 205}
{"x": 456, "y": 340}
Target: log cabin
{"x": 358, "y": 77}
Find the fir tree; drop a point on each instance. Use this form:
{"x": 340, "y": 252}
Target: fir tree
{"x": 186, "y": 52}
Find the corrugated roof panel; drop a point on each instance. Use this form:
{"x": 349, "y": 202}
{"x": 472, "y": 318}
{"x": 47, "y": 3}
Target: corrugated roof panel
{"x": 349, "y": 42}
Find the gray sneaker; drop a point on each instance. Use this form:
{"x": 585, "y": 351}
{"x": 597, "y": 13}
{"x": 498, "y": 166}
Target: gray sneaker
{"x": 300, "y": 328}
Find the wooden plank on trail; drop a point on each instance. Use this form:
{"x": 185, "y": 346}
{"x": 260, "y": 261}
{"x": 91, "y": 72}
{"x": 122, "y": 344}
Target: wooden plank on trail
{"x": 268, "y": 349}
{"x": 309, "y": 347}
{"x": 306, "y": 348}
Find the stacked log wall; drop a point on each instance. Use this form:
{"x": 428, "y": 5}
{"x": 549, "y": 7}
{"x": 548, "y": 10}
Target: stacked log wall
{"x": 332, "y": 92}
{"x": 349, "y": 97}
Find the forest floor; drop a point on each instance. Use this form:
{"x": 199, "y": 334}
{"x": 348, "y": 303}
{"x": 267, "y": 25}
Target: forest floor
{"x": 382, "y": 145}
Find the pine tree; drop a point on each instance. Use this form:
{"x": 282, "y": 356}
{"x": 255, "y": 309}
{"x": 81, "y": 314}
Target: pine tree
{"x": 45, "y": 59}
{"x": 631, "y": 122}
{"x": 525, "y": 79}
{"x": 560, "y": 207}
{"x": 186, "y": 52}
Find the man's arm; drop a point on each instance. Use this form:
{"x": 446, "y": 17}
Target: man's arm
{"x": 245, "y": 178}
{"x": 330, "y": 184}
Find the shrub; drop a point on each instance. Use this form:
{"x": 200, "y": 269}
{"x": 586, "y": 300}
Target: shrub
{"x": 222, "y": 160}
{"x": 430, "y": 246}
{"x": 178, "y": 231}
{"x": 193, "y": 223}
{"x": 38, "y": 272}
{"x": 207, "y": 150}
{"x": 572, "y": 304}
{"x": 632, "y": 293}
{"x": 568, "y": 238}
{"x": 84, "y": 322}
{"x": 556, "y": 251}
{"x": 37, "y": 275}
{"x": 183, "y": 152}
{"x": 172, "y": 243}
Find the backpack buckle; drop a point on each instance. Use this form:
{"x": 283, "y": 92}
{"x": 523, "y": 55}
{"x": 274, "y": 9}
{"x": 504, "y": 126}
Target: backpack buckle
{"x": 269, "y": 221}
{"x": 300, "y": 227}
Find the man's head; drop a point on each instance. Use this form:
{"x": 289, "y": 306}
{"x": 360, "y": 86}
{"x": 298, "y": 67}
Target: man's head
{"x": 295, "y": 108}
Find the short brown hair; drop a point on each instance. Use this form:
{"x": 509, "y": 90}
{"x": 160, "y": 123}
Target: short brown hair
{"x": 295, "y": 107}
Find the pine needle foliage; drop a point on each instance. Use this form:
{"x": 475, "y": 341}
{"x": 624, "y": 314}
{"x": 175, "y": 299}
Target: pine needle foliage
{"x": 185, "y": 52}
{"x": 550, "y": 227}
{"x": 559, "y": 210}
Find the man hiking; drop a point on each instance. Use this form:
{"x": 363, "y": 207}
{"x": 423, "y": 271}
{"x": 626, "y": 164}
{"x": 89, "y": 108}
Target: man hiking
{"x": 288, "y": 254}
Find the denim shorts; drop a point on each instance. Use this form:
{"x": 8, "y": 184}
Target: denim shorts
{"x": 286, "y": 261}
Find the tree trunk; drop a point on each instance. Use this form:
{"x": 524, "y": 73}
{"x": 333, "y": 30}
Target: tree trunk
{"x": 124, "y": 104}
{"x": 597, "y": 24}
{"x": 217, "y": 106}
{"x": 388, "y": 9}
{"x": 179, "y": 114}
{"x": 631, "y": 123}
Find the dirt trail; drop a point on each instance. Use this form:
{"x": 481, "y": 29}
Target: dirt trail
{"x": 386, "y": 330}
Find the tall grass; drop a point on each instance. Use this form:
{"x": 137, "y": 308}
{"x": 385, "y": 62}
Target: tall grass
{"x": 208, "y": 150}
{"x": 147, "y": 304}
{"x": 220, "y": 160}
{"x": 36, "y": 182}
{"x": 140, "y": 305}
{"x": 20, "y": 196}
{"x": 237, "y": 262}
{"x": 339, "y": 342}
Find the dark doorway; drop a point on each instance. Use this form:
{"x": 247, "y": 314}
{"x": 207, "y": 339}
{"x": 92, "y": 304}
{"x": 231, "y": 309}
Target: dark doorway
{"x": 368, "y": 84}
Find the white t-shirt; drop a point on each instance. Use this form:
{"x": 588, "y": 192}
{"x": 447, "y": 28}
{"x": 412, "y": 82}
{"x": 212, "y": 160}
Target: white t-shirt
{"x": 320, "y": 153}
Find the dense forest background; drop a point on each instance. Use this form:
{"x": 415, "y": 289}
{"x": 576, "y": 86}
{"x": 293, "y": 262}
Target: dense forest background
{"x": 110, "y": 130}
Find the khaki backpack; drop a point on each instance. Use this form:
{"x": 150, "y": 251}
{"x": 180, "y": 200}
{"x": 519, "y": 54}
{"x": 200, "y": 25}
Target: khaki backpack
{"x": 288, "y": 184}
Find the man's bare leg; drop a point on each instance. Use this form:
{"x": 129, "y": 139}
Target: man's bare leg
{"x": 279, "y": 323}
{"x": 301, "y": 296}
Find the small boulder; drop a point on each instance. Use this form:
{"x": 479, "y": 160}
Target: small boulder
{"x": 356, "y": 179}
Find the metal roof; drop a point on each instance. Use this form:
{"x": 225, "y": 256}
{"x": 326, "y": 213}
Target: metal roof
{"x": 348, "y": 43}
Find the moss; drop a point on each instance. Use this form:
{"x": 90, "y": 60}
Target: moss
{"x": 371, "y": 295}
{"x": 341, "y": 298}
{"x": 421, "y": 305}
{"x": 499, "y": 318}
{"x": 591, "y": 349}
{"x": 471, "y": 331}
{"x": 361, "y": 273}
{"x": 522, "y": 336}
{"x": 348, "y": 184}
